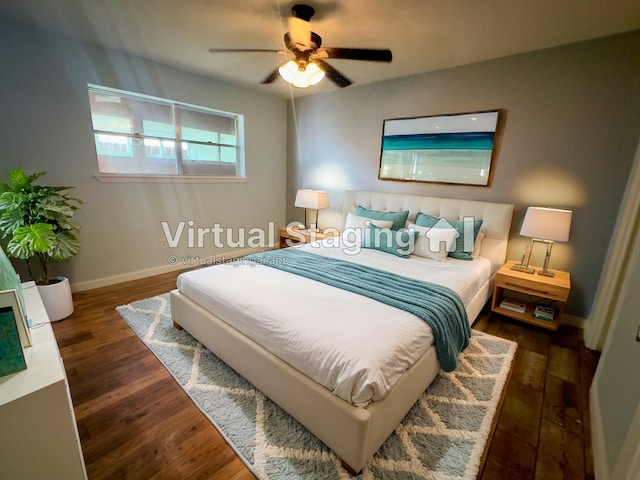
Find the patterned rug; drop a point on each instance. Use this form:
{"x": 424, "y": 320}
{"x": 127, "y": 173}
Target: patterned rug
{"x": 442, "y": 437}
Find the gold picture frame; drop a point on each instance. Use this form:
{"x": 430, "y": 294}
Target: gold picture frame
{"x": 457, "y": 148}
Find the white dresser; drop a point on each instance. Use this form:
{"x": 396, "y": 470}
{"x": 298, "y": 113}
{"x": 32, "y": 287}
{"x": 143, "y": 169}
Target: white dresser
{"x": 38, "y": 432}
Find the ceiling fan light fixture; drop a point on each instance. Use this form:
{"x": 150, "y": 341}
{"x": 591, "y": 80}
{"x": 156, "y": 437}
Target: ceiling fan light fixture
{"x": 314, "y": 73}
{"x": 301, "y": 75}
{"x": 301, "y": 80}
{"x": 288, "y": 71}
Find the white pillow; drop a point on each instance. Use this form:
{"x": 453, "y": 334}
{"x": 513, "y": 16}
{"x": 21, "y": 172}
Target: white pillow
{"x": 478, "y": 245}
{"x": 355, "y": 224}
{"x": 433, "y": 243}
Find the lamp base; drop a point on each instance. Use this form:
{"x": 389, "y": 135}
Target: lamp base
{"x": 523, "y": 268}
{"x": 546, "y": 273}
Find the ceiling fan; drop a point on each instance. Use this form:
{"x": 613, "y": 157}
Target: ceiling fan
{"x": 309, "y": 66}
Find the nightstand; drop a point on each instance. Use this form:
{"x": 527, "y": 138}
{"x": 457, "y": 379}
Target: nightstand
{"x": 530, "y": 290}
{"x": 297, "y": 236}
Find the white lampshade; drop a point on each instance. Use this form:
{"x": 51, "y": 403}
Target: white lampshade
{"x": 315, "y": 199}
{"x": 547, "y": 224}
{"x": 288, "y": 71}
{"x": 314, "y": 73}
{"x": 301, "y": 76}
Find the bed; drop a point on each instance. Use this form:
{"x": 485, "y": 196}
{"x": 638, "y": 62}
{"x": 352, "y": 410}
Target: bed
{"x": 352, "y": 415}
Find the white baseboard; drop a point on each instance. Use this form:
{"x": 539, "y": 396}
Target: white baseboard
{"x": 573, "y": 320}
{"x": 148, "y": 272}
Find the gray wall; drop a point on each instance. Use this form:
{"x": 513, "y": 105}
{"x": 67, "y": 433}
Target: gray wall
{"x": 46, "y": 125}
{"x": 571, "y": 130}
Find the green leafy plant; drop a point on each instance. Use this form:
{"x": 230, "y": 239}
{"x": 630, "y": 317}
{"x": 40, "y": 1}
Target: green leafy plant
{"x": 37, "y": 220}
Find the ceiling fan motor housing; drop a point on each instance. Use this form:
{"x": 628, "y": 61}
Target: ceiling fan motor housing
{"x": 303, "y": 12}
{"x": 316, "y": 42}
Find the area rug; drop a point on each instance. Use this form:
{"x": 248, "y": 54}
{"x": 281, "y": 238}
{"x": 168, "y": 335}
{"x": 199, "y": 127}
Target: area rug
{"x": 442, "y": 437}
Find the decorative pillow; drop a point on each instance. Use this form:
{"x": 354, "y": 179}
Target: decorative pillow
{"x": 478, "y": 245}
{"x": 433, "y": 243}
{"x": 396, "y": 242}
{"x": 459, "y": 251}
{"x": 355, "y": 225}
{"x": 356, "y": 221}
{"x": 398, "y": 218}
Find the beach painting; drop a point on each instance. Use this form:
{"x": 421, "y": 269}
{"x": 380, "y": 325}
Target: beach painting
{"x": 454, "y": 148}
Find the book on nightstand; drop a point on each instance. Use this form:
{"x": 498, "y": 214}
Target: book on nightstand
{"x": 543, "y": 312}
{"x": 513, "y": 305}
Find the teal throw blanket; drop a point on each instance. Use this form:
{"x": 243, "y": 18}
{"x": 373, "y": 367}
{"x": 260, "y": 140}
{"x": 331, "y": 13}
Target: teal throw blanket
{"x": 437, "y": 305}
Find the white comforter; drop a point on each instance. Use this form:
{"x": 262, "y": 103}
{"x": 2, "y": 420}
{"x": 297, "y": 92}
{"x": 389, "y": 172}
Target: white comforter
{"x": 353, "y": 345}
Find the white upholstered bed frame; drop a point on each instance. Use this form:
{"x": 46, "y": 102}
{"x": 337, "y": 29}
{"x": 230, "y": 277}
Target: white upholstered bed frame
{"x": 353, "y": 433}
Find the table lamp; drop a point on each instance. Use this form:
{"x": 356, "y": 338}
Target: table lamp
{"x": 543, "y": 225}
{"x": 311, "y": 200}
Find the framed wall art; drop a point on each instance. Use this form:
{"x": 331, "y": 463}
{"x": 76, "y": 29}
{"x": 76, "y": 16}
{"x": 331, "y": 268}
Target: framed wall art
{"x": 459, "y": 148}
{"x": 14, "y": 334}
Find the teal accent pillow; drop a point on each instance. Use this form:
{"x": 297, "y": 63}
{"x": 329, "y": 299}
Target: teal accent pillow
{"x": 396, "y": 242}
{"x": 399, "y": 219}
{"x": 459, "y": 251}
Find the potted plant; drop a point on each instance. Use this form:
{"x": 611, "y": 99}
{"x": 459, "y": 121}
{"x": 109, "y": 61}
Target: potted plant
{"x": 37, "y": 220}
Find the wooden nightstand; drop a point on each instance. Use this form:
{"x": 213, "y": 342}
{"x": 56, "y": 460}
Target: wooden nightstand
{"x": 296, "y": 236}
{"x": 533, "y": 289}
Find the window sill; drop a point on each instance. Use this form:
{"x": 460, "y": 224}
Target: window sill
{"x": 118, "y": 178}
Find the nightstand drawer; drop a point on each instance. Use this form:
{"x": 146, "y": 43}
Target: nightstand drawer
{"x": 532, "y": 287}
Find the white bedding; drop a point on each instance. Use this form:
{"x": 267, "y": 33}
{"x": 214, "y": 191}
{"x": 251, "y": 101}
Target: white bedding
{"x": 354, "y": 346}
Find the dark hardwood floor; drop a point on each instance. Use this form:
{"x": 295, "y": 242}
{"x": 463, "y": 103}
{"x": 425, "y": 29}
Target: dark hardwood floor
{"x": 135, "y": 422}
{"x": 543, "y": 431}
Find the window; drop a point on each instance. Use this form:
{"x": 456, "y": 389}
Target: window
{"x": 139, "y": 135}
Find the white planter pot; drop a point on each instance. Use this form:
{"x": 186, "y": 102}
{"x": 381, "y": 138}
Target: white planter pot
{"x": 57, "y": 299}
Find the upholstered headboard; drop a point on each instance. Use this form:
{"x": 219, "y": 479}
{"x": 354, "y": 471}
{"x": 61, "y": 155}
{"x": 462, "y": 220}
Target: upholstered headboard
{"x": 496, "y": 217}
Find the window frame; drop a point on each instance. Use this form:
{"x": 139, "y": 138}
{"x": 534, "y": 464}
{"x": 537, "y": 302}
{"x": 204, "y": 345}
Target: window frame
{"x": 186, "y": 170}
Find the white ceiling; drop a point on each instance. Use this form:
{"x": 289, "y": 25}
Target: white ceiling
{"x": 423, "y": 35}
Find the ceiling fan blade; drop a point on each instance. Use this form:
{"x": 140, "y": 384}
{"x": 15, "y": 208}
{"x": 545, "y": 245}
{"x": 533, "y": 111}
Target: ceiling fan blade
{"x": 244, "y": 50}
{"x": 272, "y": 76}
{"x": 334, "y": 75}
{"x": 369, "y": 54}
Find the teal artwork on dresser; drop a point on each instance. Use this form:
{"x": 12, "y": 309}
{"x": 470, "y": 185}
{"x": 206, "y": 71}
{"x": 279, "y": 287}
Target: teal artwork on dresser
{"x": 11, "y": 353}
